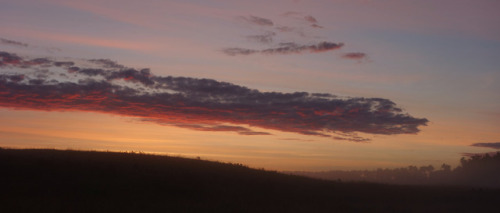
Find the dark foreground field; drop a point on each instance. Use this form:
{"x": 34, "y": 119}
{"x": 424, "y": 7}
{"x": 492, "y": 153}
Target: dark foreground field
{"x": 78, "y": 181}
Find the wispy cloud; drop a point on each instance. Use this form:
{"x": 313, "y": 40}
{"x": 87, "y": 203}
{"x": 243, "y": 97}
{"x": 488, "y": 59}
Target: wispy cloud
{"x": 101, "y": 85}
{"x": 296, "y": 139}
{"x": 493, "y": 145}
{"x": 11, "y": 42}
{"x": 286, "y": 48}
{"x": 467, "y": 154}
{"x": 311, "y": 19}
{"x": 316, "y": 26}
{"x": 210, "y": 127}
{"x": 354, "y": 139}
{"x": 4, "y": 41}
{"x": 265, "y": 38}
{"x": 357, "y": 56}
{"x": 308, "y": 18}
{"x": 285, "y": 29}
{"x": 282, "y": 47}
{"x": 257, "y": 20}
{"x": 291, "y": 13}
{"x": 84, "y": 40}
{"x": 354, "y": 55}
{"x": 239, "y": 51}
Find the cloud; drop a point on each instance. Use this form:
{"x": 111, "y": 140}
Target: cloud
{"x": 291, "y": 13}
{"x": 494, "y": 145}
{"x": 316, "y": 26}
{"x": 358, "y": 56}
{"x": 352, "y": 138}
{"x": 25, "y": 45}
{"x": 296, "y": 139}
{"x": 470, "y": 155}
{"x": 290, "y": 47}
{"x": 213, "y": 128}
{"x": 239, "y": 51}
{"x": 285, "y": 29}
{"x": 136, "y": 45}
{"x": 9, "y": 59}
{"x": 355, "y": 55}
{"x": 286, "y": 48}
{"x": 11, "y": 42}
{"x": 107, "y": 63}
{"x": 257, "y": 20}
{"x": 199, "y": 104}
{"x": 265, "y": 38}
{"x": 311, "y": 19}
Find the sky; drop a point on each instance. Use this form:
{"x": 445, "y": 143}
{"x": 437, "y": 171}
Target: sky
{"x": 280, "y": 85}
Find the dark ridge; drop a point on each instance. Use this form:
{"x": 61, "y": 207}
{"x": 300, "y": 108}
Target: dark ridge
{"x": 42, "y": 180}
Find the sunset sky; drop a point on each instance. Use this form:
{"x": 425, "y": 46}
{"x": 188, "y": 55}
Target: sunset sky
{"x": 281, "y": 85}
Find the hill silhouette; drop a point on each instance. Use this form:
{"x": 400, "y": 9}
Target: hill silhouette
{"x": 42, "y": 180}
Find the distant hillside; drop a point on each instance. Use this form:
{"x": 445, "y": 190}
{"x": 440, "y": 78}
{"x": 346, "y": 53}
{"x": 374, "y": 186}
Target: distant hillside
{"x": 482, "y": 170}
{"x": 37, "y": 180}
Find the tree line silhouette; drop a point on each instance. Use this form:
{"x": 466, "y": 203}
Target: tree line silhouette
{"x": 482, "y": 170}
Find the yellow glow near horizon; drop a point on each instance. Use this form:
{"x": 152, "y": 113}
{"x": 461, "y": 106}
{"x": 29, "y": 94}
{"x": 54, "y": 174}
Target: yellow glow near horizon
{"x": 280, "y": 151}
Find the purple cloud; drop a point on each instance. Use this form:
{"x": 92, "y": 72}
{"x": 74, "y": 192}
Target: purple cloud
{"x": 198, "y": 104}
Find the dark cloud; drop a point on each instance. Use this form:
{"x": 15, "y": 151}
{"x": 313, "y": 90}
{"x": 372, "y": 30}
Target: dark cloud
{"x": 11, "y": 42}
{"x": 143, "y": 76}
{"x": 353, "y": 139}
{"x": 258, "y": 20}
{"x": 265, "y": 38}
{"x": 494, "y": 145}
{"x": 290, "y": 47}
{"x": 64, "y": 63}
{"x": 106, "y": 63}
{"x": 355, "y": 55}
{"x": 239, "y": 51}
{"x": 286, "y": 48}
{"x": 200, "y": 104}
{"x": 9, "y": 59}
{"x": 15, "y": 78}
{"x": 40, "y": 61}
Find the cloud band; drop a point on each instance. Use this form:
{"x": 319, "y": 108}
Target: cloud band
{"x": 200, "y": 104}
